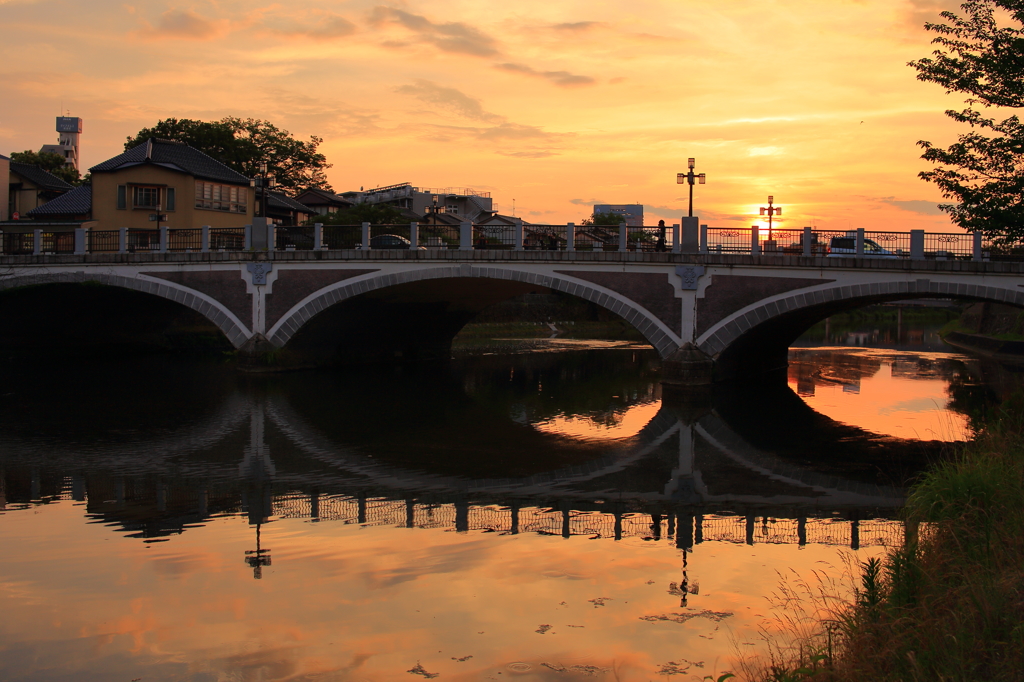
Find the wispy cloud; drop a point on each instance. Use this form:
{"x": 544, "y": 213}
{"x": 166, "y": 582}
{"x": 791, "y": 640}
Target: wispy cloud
{"x": 560, "y": 78}
{"x": 450, "y": 99}
{"x": 578, "y": 26}
{"x": 180, "y": 24}
{"x": 324, "y": 26}
{"x": 913, "y": 205}
{"x": 454, "y": 37}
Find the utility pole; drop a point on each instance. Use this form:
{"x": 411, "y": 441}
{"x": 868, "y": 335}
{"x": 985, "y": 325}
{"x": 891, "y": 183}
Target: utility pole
{"x": 690, "y": 177}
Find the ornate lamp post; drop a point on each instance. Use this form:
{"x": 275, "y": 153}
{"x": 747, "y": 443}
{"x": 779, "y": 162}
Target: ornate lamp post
{"x": 770, "y": 211}
{"x": 265, "y": 182}
{"x": 690, "y": 177}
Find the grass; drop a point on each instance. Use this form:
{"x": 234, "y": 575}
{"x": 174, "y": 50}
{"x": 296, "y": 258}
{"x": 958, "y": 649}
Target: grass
{"x": 949, "y": 603}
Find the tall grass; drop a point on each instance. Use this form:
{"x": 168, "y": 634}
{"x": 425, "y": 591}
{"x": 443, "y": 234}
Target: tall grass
{"x": 949, "y": 603}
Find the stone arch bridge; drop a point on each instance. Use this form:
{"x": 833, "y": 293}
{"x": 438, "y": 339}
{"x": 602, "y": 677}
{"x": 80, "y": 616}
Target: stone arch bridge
{"x": 742, "y": 311}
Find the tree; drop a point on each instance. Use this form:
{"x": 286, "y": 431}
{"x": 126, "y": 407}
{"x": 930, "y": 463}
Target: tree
{"x": 377, "y": 214}
{"x": 49, "y": 162}
{"x": 981, "y": 55}
{"x": 243, "y": 144}
{"x": 605, "y": 219}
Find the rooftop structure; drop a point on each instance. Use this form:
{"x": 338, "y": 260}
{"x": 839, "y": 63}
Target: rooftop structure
{"x": 469, "y": 204}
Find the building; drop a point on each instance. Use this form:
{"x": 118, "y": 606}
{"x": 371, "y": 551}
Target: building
{"x": 29, "y": 187}
{"x": 468, "y": 204}
{"x": 75, "y": 205}
{"x": 69, "y": 133}
{"x": 5, "y": 174}
{"x": 171, "y": 179}
{"x": 633, "y": 213}
{"x": 283, "y": 210}
{"x": 323, "y": 202}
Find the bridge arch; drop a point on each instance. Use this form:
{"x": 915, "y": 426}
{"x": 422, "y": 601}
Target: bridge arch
{"x": 757, "y": 337}
{"x": 664, "y": 340}
{"x": 210, "y": 308}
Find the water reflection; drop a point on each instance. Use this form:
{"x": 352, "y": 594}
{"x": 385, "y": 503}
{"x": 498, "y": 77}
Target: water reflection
{"x": 542, "y": 515}
{"x": 898, "y": 394}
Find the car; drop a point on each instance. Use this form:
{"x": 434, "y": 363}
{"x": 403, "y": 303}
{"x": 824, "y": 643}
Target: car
{"x": 388, "y": 241}
{"x": 841, "y": 247}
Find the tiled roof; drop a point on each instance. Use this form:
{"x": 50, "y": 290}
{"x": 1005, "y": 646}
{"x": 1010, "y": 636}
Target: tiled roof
{"x": 5, "y": 158}
{"x": 38, "y": 176}
{"x": 176, "y": 156}
{"x": 321, "y": 197}
{"x": 279, "y": 200}
{"x": 76, "y": 202}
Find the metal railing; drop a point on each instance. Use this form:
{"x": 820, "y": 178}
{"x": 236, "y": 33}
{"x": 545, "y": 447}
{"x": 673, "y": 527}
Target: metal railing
{"x": 915, "y": 244}
{"x": 439, "y": 236}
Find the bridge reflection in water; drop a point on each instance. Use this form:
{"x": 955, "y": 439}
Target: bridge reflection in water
{"x": 140, "y": 488}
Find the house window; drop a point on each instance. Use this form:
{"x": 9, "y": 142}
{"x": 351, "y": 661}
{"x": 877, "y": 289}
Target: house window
{"x": 122, "y": 197}
{"x": 452, "y": 208}
{"x": 215, "y": 197}
{"x": 170, "y": 199}
{"x": 145, "y": 197}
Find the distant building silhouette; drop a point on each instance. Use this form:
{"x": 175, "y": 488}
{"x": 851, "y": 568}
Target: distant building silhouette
{"x": 633, "y": 213}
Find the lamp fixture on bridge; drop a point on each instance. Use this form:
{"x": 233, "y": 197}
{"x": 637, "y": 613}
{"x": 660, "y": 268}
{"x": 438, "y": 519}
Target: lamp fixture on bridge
{"x": 265, "y": 182}
{"x": 257, "y": 558}
{"x": 690, "y": 177}
{"x": 770, "y": 210}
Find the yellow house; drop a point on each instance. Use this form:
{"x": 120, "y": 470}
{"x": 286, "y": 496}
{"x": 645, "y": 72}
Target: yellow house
{"x": 181, "y": 184}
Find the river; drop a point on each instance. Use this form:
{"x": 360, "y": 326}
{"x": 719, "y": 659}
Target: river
{"x": 534, "y": 511}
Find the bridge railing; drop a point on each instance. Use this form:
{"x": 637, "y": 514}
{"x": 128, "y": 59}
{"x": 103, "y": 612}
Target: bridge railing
{"x": 915, "y": 244}
{"x": 439, "y": 236}
{"x": 341, "y": 236}
{"x": 294, "y": 238}
{"x": 494, "y": 237}
{"x": 227, "y": 238}
{"x": 545, "y": 237}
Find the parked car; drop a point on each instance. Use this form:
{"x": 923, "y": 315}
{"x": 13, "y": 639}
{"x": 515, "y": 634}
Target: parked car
{"x": 388, "y": 241}
{"x": 847, "y": 246}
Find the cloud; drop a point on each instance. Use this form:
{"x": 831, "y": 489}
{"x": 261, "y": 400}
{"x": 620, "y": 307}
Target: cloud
{"x": 450, "y": 37}
{"x": 560, "y": 78}
{"x": 529, "y": 153}
{"x": 578, "y": 26}
{"x": 514, "y": 131}
{"x": 588, "y": 202}
{"x": 449, "y": 98}
{"x": 914, "y": 205}
{"x": 328, "y": 27}
{"x": 182, "y": 25}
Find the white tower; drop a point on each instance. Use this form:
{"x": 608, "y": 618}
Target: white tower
{"x": 69, "y": 130}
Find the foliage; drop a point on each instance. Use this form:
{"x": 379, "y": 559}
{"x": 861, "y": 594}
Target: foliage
{"x": 375, "y": 214}
{"x": 49, "y": 162}
{"x": 598, "y": 219}
{"x": 243, "y": 144}
{"x": 949, "y": 603}
{"x": 983, "y": 172}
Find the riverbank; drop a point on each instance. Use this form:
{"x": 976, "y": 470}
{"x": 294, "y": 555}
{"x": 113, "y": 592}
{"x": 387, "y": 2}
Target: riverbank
{"x": 949, "y": 604}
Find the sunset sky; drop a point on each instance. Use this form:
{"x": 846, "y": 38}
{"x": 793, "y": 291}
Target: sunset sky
{"x": 555, "y": 105}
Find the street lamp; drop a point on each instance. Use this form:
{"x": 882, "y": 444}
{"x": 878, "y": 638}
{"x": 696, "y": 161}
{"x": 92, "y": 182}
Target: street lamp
{"x": 690, "y": 177}
{"x": 770, "y": 211}
{"x": 265, "y": 183}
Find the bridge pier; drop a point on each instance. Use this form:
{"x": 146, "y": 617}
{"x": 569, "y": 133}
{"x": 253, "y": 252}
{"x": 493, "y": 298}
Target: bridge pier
{"x": 687, "y": 375}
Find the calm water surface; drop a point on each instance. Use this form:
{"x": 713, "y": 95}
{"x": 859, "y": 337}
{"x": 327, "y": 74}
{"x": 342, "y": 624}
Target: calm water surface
{"x": 536, "y": 515}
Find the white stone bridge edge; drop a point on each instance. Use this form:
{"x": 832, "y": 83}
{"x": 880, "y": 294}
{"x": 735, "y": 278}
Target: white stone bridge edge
{"x": 726, "y": 331}
{"x": 664, "y": 340}
{"x": 234, "y": 329}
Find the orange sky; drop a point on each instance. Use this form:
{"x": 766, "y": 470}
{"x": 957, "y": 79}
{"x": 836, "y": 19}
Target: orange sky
{"x": 554, "y": 105}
